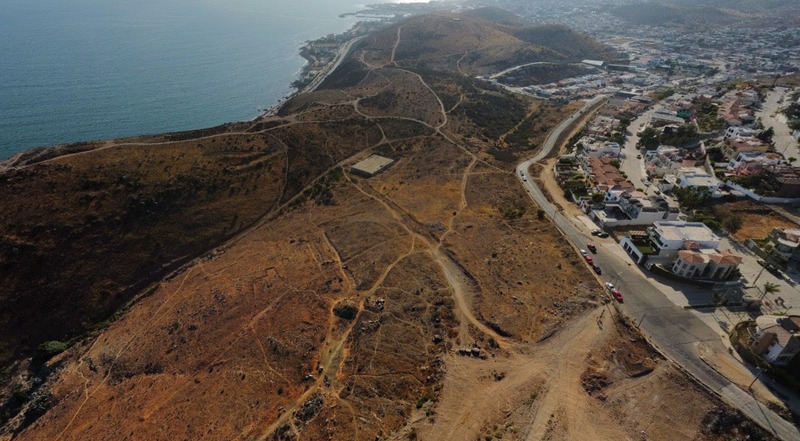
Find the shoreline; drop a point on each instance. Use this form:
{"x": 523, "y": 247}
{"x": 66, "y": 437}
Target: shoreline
{"x": 344, "y": 43}
{"x": 375, "y": 17}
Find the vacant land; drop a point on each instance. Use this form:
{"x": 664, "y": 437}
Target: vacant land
{"x": 289, "y": 299}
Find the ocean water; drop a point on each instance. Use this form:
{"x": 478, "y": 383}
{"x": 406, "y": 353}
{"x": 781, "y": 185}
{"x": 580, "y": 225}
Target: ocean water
{"x": 79, "y": 70}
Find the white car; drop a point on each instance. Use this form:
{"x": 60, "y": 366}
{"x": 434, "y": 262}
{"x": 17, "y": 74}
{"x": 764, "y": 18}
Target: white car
{"x": 646, "y": 182}
{"x": 584, "y": 253}
{"x": 609, "y": 287}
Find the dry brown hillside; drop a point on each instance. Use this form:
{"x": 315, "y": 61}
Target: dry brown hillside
{"x": 289, "y": 299}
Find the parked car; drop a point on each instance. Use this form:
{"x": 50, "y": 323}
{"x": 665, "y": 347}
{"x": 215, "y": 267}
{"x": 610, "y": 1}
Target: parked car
{"x": 589, "y": 259}
{"x": 771, "y": 268}
{"x": 597, "y": 269}
{"x": 599, "y": 233}
{"x": 646, "y": 182}
{"x": 584, "y": 253}
{"x": 614, "y": 292}
{"x": 638, "y": 156}
{"x": 592, "y": 248}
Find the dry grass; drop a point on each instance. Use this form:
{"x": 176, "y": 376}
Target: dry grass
{"x": 338, "y": 307}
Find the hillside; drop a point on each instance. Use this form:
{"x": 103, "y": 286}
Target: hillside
{"x": 240, "y": 283}
{"x": 474, "y": 45}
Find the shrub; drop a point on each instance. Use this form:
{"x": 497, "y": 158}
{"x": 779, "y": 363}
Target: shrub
{"x": 53, "y": 347}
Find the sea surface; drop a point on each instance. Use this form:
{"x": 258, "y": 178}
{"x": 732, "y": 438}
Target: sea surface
{"x": 80, "y": 70}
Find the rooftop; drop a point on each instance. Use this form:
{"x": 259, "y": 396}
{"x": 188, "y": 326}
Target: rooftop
{"x": 372, "y": 165}
{"x": 784, "y": 328}
{"x": 683, "y": 231}
{"x": 700, "y": 180}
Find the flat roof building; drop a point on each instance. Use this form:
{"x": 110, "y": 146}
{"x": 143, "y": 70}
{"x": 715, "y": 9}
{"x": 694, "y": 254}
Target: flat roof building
{"x": 371, "y": 166}
{"x": 675, "y": 233}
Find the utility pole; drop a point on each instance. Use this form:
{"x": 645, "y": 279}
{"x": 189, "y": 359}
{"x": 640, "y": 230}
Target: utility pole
{"x": 758, "y": 374}
{"x": 755, "y": 284}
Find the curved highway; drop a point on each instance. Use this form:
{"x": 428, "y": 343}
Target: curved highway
{"x": 677, "y": 333}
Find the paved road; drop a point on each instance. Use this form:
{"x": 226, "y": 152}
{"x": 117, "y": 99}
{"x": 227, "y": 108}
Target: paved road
{"x": 676, "y": 332}
{"x": 632, "y": 166}
{"x": 771, "y": 117}
{"x": 340, "y": 56}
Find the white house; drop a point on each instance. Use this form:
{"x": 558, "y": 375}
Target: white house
{"x": 687, "y": 249}
{"x": 750, "y": 160}
{"x": 739, "y": 132}
{"x": 704, "y": 263}
{"x": 671, "y": 236}
{"x": 699, "y": 180}
{"x": 632, "y": 207}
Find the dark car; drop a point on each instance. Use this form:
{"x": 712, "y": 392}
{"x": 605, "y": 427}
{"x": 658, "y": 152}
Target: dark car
{"x": 597, "y": 269}
{"x": 602, "y": 234}
{"x": 771, "y": 268}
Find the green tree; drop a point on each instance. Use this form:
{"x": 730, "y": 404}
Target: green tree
{"x": 683, "y": 135}
{"x": 766, "y": 135}
{"x": 690, "y": 198}
{"x": 648, "y": 138}
{"x": 573, "y": 185}
{"x": 733, "y": 223}
{"x": 771, "y": 288}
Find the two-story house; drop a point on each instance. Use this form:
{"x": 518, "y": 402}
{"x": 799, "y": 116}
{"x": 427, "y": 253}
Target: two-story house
{"x": 687, "y": 249}
{"x": 632, "y": 207}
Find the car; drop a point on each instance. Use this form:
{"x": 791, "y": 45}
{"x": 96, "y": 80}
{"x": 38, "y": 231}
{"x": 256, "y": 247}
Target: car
{"x": 596, "y": 232}
{"x": 771, "y": 268}
{"x": 584, "y": 253}
{"x": 602, "y": 234}
{"x": 592, "y": 248}
{"x": 614, "y": 292}
{"x": 597, "y": 269}
{"x": 638, "y": 156}
{"x": 589, "y": 259}
{"x": 646, "y": 182}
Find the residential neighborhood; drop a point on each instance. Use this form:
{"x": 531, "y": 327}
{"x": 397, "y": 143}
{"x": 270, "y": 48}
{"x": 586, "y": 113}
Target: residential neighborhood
{"x": 690, "y": 166}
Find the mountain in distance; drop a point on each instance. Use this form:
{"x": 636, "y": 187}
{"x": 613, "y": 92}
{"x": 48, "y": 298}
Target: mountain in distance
{"x": 239, "y": 282}
{"x": 720, "y": 12}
